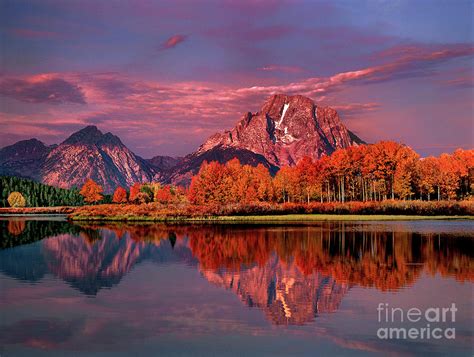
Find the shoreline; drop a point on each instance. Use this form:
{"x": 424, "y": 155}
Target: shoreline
{"x": 258, "y": 213}
{"x": 298, "y": 218}
{"x": 36, "y": 211}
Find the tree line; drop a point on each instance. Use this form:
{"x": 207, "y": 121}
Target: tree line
{"x": 23, "y": 192}
{"x": 377, "y": 172}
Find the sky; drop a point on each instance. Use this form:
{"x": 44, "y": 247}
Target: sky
{"x": 166, "y": 75}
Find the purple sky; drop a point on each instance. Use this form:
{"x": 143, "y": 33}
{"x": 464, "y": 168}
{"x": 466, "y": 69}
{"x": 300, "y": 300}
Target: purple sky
{"x": 165, "y": 75}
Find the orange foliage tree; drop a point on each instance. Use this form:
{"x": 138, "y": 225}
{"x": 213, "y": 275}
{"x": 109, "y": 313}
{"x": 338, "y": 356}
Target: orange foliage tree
{"x": 376, "y": 172}
{"x": 120, "y": 195}
{"x": 232, "y": 182}
{"x": 91, "y": 191}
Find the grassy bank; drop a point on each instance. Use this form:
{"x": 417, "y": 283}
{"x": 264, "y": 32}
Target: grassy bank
{"x": 36, "y": 210}
{"x": 387, "y": 210}
{"x": 270, "y": 219}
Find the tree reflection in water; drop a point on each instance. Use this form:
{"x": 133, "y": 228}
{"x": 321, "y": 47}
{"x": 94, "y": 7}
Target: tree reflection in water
{"x": 292, "y": 273}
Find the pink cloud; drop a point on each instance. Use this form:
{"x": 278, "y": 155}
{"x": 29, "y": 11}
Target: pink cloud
{"x": 176, "y": 109}
{"x": 460, "y": 82}
{"x": 354, "y": 109}
{"x": 173, "y": 41}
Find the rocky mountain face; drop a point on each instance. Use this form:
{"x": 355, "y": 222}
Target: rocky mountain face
{"x": 91, "y": 260}
{"x": 164, "y": 163}
{"x": 286, "y": 129}
{"x": 89, "y": 153}
{"x": 286, "y": 296}
{"x": 24, "y": 158}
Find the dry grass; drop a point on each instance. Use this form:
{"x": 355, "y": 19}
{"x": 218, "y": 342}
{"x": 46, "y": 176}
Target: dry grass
{"x": 276, "y": 212}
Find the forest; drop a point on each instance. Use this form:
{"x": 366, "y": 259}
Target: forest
{"x": 386, "y": 170}
{"x": 370, "y": 174}
{"x": 36, "y": 194}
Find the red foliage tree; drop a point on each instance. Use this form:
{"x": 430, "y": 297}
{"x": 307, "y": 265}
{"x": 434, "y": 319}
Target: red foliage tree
{"x": 134, "y": 191}
{"x": 120, "y": 195}
{"x": 164, "y": 195}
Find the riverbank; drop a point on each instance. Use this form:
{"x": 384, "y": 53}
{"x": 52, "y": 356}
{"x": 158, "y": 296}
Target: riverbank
{"x": 264, "y": 212}
{"x": 388, "y": 210}
{"x": 269, "y": 219}
{"x": 20, "y": 211}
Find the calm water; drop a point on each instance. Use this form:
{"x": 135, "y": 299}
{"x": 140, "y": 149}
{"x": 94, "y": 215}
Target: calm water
{"x": 156, "y": 289}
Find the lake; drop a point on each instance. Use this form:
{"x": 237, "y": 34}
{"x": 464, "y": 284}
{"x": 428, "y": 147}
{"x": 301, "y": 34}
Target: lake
{"x": 326, "y": 288}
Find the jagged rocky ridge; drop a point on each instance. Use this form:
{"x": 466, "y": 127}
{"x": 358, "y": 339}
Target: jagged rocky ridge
{"x": 89, "y": 153}
{"x": 24, "y": 158}
{"x": 283, "y": 131}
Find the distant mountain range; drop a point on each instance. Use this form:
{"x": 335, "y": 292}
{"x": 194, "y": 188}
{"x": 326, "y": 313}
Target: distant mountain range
{"x": 286, "y": 129}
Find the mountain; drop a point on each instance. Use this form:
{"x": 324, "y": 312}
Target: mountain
{"x": 24, "y": 158}
{"x": 286, "y": 129}
{"x": 282, "y": 291}
{"x": 89, "y": 153}
{"x": 164, "y": 163}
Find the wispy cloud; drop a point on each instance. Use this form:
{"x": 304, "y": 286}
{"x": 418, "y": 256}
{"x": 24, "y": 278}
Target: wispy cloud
{"x": 160, "y": 112}
{"x": 354, "y": 109}
{"x": 173, "y": 41}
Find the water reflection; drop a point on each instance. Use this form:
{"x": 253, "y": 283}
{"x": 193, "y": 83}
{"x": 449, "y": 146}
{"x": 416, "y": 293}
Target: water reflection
{"x": 291, "y": 273}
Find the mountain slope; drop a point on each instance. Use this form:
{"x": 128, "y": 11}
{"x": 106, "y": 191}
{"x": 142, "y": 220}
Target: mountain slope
{"x": 286, "y": 129}
{"x": 24, "y": 158}
{"x": 89, "y": 153}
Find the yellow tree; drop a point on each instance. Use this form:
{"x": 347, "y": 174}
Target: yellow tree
{"x": 16, "y": 199}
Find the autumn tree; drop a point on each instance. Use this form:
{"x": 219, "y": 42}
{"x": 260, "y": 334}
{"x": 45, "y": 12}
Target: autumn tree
{"x": 16, "y": 199}
{"x": 428, "y": 176}
{"x": 209, "y": 185}
{"x": 404, "y": 177}
{"x": 465, "y": 166}
{"x": 134, "y": 191}
{"x": 164, "y": 195}
{"x": 120, "y": 195}
{"x": 283, "y": 183}
{"x": 148, "y": 189}
{"x": 142, "y": 197}
{"x": 449, "y": 176}
{"x": 91, "y": 191}
{"x": 367, "y": 172}
{"x": 307, "y": 176}
{"x": 263, "y": 184}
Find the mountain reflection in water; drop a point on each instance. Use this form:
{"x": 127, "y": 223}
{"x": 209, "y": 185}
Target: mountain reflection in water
{"x": 291, "y": 273}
